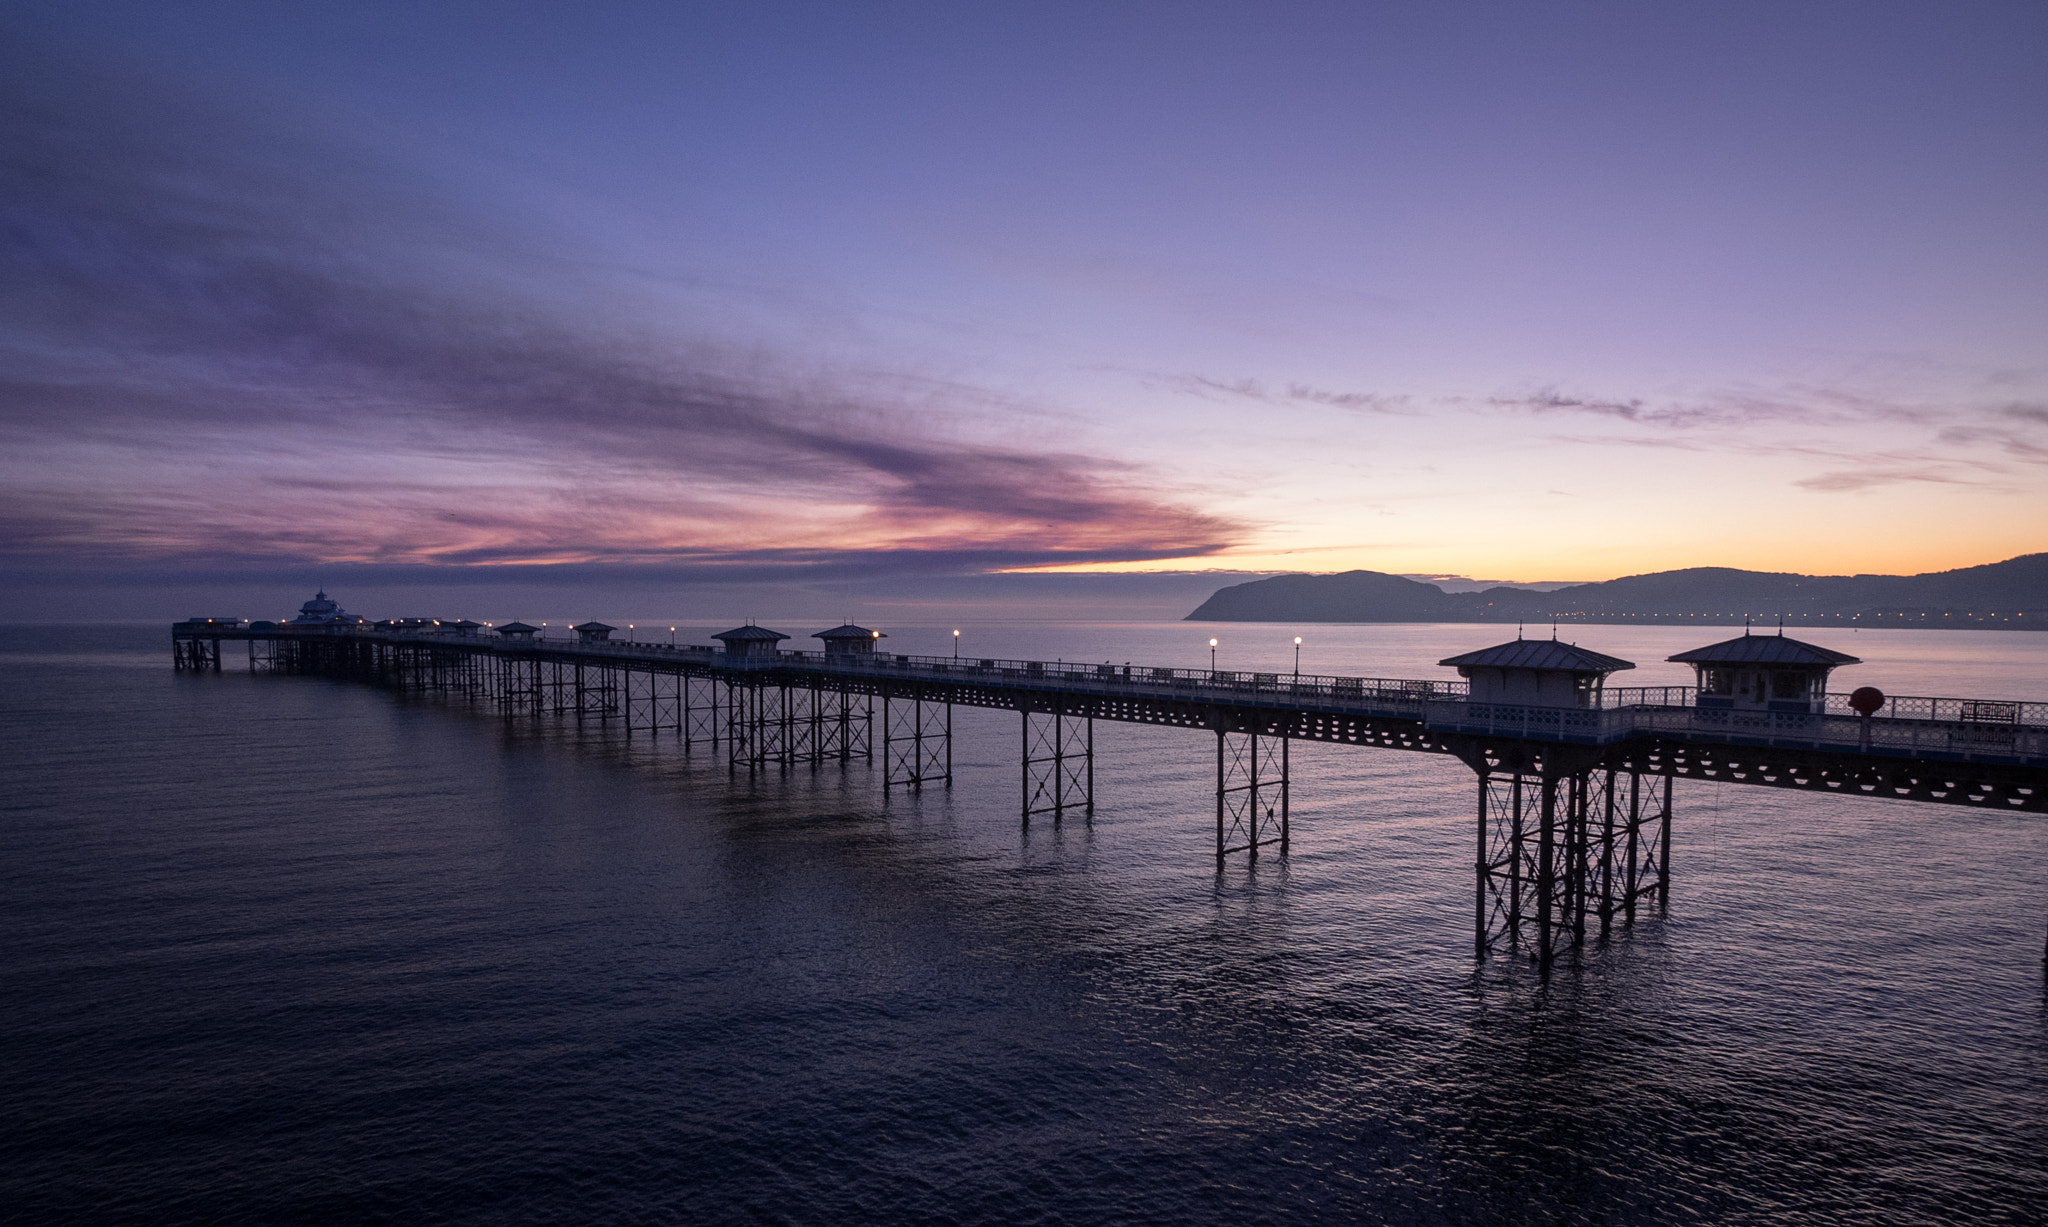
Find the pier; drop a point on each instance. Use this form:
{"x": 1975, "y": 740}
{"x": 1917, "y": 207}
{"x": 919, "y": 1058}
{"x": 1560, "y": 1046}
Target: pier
{"x": 1574, "y": 778}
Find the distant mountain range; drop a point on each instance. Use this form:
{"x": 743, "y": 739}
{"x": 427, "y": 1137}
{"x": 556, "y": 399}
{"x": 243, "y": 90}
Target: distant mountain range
{"x": 2009, "y": 595}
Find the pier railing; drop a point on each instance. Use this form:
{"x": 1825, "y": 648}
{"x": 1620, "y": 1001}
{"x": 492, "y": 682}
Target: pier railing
{"x": 1884, "y": 733}
{"x": 1905, "y": 724}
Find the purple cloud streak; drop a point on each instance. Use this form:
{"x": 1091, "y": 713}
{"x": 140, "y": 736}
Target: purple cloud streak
{"x": 226, "y": 341}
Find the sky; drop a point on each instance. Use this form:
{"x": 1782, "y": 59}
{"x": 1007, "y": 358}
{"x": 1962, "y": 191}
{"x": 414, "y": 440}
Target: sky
{"x": 880, "y": 298}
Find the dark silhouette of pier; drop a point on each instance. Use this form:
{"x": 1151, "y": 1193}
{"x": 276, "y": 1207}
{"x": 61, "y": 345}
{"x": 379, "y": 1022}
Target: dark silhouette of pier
{"x": 1574, "y": 799}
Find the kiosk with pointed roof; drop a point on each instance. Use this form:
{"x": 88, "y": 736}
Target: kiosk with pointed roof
{"x": 1764, "y": 673}
{"x": 593, "y": 632}
{"x": 850, "y": 640}
{"x": 517, "y": 630}
{"x": 1537, "y": 673}
{"x": 317, "y": 611}
{"x": 322, "y": 613}
{"x": 751, "y": 640}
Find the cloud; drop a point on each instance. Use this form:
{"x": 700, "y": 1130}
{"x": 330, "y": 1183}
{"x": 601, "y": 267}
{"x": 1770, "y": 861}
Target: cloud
{"x": 1790, "y": 424}
{"x": 1794, "y": 405}
{"x": 1550, "y": 400}
{"x": 2024, "y": 442}
{"x": 223, "y": 337}
{"x": 1299, "y": 393}
{"x": 1850, "y": 480}
{"x": 1662, "y": 443}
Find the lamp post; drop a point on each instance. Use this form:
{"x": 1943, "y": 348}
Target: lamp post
{"x": 1297, "y": 656}
{"x": 1212, "y": 657}
{"x": 671, "y": 636}
{"x": 956, "y": 645}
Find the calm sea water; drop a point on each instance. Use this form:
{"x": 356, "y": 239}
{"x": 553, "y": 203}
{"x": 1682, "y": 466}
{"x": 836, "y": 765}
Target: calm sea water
{"x": 286, "y": 950}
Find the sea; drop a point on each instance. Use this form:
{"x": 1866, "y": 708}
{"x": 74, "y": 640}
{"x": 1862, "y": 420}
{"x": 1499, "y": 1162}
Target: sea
{"x": 295, "y": 950}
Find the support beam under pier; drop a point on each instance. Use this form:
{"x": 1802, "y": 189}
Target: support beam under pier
{"x": 1252, "y": 787}
{"x": 917, "y": 741}
{"x": 1059, "y": 763}
{"x": 1559, "y": 842}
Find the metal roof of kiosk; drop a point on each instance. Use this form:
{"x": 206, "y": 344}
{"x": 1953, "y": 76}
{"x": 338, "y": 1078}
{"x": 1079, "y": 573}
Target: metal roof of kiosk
{"x": 848, "y": 631}
{"x": 1536, "y": 673}
{"x": 1539, "y": 654}
{"x": 750, "y": 641}
{"x": 750, "y": 634}
{"x": 1765, "y": 650}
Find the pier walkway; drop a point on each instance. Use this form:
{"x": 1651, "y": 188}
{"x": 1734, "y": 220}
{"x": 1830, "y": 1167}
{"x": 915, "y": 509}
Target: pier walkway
{"x": 1574, "y": 802}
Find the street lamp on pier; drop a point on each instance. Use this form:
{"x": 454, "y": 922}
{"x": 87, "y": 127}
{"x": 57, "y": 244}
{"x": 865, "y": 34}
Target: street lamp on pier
{"x": 956, "y": 645}
{"x": 1212, "y": 656}
{"x": 1297, "y": 656}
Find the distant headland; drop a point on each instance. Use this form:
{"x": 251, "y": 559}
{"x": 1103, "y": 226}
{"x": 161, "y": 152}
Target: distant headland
{"x": 2009, "y": 595}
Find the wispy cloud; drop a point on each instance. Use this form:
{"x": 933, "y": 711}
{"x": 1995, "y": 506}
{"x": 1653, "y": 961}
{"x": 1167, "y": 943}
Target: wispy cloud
{"x": 222, "y": 338}
{"x": 1273, "y": 394}
{"x": 1793, "y": 422}
{"x": 1790, "y": 406}
{"x": 1849, "y": 480}
{"x": 2018, "y": 430}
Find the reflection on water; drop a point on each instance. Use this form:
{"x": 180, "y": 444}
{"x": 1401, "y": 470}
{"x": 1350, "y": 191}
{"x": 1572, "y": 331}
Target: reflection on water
{"x": 286, "y": 949}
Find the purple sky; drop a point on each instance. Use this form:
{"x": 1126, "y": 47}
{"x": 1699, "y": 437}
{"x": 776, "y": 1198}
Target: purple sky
{"x": 783, "y": 293}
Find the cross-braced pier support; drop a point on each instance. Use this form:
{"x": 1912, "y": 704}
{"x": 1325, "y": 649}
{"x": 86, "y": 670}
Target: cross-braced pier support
{"x": 654, "y": 700}
{"x": 596, "y": 691}
{"x": 1251, "y": 792}
{"x": 917, "y": 741}
{"x": 1059, "y": 763}
{"x": 703, "y": 712}
{"x": 195, "y": 655}
{"x": 849, "y": 728}
{"x": 806, "y": 722}
{"x": 1559, "y": 843}
{"x": 520, "y": 691}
